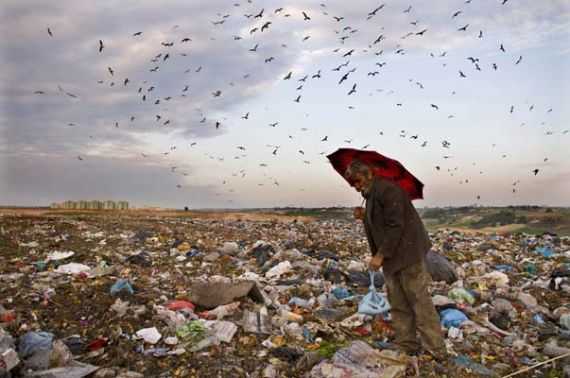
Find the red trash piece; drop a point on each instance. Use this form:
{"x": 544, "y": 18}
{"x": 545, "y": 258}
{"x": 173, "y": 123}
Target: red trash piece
{"x": 362, "y": 331}
{"x": 180, "y": 305}
{"x": 8, "y": 317}
{"x": 97, "y": 344}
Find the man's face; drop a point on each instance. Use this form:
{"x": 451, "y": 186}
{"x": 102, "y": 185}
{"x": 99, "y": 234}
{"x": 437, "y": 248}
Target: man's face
{"x": 361, "y": 183}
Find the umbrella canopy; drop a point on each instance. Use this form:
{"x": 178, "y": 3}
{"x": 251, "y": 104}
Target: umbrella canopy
{"x": 382, "y": 166}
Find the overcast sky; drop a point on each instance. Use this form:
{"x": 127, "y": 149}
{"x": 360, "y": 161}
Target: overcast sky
{"x": 219, "y": 127}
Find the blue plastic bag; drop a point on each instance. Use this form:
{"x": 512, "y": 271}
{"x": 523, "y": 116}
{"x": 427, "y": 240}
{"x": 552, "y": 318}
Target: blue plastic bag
{"x": 32, "y": 342}
{"x": 452, "y": 318}
{"x": 373, "y": 303}
{"x": 341, "y": 293}
{"x": 122, "y": 285}
{"x": 545, "y": 251}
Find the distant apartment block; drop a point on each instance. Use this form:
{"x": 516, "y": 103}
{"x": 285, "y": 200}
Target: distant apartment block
{"x": 91, "y": 205}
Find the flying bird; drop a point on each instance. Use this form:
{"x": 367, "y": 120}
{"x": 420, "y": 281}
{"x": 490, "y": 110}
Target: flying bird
{"x": 49, "y": 32}
{"x": 519, "y": 60}
{"x": 463, "y": 28}
{"x": 325, "y": 138}
{"x": 137, "y": 34}
{"x": 305, "y": 16}
{"x": 502, "y": 48}
{"x": 288, "y": 76}
{"x": 352, "y": 90}
{"x": 434, "y": 106}
{"x": 456, "y": 14}
{"x": 101, "y": 45}
{"x": 461, "y": 74}
{"x": 373, "y": 13}
{"x": 265, "y": 26}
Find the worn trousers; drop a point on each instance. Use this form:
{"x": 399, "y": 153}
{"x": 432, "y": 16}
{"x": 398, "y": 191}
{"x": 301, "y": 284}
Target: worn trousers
{"x": 413, "y": 310}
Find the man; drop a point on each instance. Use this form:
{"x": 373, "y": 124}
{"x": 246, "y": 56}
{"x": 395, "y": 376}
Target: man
{"x": 398, "y": 242}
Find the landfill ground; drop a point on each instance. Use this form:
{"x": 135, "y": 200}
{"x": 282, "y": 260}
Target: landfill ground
{"x": 308, "y": 273}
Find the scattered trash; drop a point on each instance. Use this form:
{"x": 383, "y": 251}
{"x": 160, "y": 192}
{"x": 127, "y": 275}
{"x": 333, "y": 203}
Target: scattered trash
{"x": 361, "y": 360}
{"x": 290, "y": 300}
{"x": 465, "y": 362}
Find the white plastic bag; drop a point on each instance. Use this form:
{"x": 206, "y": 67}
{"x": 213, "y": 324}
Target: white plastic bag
{"x": 373, "y": 303}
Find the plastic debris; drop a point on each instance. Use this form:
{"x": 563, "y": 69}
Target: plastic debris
{"x": 121, "y": 286}
{"x": 361, "y": 360}
{"x": 440, "y": 268}
{"x": 460, "y": 295}
{"x": 279, "y": 270}
{"x": 149, "y": 335}
{"x": 373, "y": 303}
{"x": 59, "y": 255}
{"x": 452, "y": 318}
{"x": 73, "y": 268}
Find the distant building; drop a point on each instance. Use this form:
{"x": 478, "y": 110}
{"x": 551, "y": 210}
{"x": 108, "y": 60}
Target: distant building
{"x": 91, "y": 205}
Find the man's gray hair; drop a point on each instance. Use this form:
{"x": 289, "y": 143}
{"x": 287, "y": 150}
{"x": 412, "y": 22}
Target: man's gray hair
{"x": 357, "y": 168}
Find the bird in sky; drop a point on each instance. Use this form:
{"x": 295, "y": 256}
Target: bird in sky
{"x": 373, "y": 12}
{"x": 352, "y": 90}
{"x": 101, "y": 46}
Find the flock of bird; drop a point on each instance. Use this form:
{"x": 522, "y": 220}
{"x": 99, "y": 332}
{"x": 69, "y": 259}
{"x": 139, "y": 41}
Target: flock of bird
{"x": 260, "y": 23}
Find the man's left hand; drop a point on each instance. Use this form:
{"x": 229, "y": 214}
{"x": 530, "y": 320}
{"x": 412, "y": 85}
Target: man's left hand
{"x": 375, "y": 263}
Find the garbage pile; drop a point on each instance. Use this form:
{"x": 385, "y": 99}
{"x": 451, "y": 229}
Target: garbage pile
{"x": 178, "y": 297}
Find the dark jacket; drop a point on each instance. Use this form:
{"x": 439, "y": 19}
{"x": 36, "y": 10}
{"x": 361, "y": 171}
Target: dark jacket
{"x": 393, "y": 227}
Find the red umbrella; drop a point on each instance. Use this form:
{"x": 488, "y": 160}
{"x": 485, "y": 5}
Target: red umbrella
{"x": 382, "y": 166}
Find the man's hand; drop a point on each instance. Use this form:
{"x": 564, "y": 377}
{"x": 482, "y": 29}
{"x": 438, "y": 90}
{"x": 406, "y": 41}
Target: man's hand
{"x": 375, "y": 263}
{"x": 358, "y": 213}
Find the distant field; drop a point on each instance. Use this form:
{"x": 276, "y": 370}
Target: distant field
{"x": 532, "y": 220}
